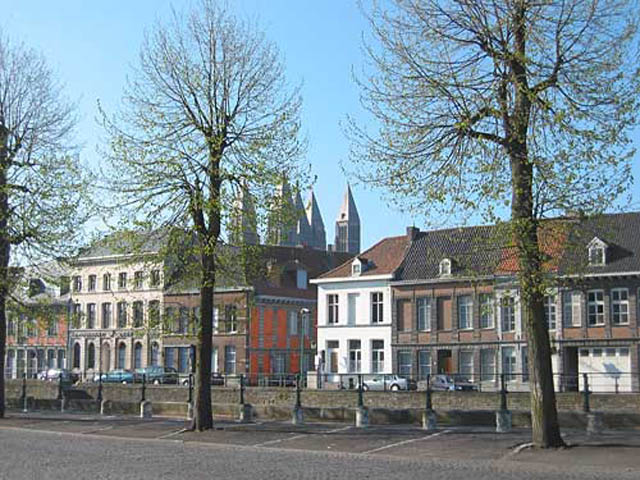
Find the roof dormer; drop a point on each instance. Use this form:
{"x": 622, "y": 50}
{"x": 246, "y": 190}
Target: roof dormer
{"x": 358, "y": 266}
{"x": 597, "y": 252}
{"x": 445, "y": 267}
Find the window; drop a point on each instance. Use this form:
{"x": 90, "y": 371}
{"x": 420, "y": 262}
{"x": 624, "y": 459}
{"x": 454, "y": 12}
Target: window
{"x": 509, "y": 363}
{"x": 31, "y": 328}
{"x": 183, "y": 359}
{"x": 487, "y": 364}
{"x": 596, "y": 255}
{"x": 183, "y": 320}
{"x": 106, "y": 315}
{"x": 230, "y": 360}
{"x": 352, "y": 300}
{"x": 77, "y": 315}
{"x": 423, "y": 306}
{"x": 216, "y": 319}
{"x": 91, "y": 356}
{"x": 231, "y": 318}
{"x": 137, "y": 355}
{"x": 508, "y": 314}
{"x": 52, "y": 327}
{"x": 154, "y": 313}
{"x": 77, "y": 283}
{"x": 155, "y": 278}
{"x": 465, "y": 365}
{"x": 445, "y": 267}
{"x": 486, "y": 310}
{"x": 404, "y": 363}
{"x": 619, "y": 306}
{"x": 355, "y": 356}
{"x": 169, "y": 357}
{"x": 122, "y": 355}
{"x": 138, "y": 314}
{"x": 92, "y": 283}
{"x": 76, "y": 356}
{"x": 279, "y": 362}
{"x": 122, "y": 280}
{"x": 355, "y": 269}
{"x": 465, "y": 312}
{"x": 571, "y": 309}
{"x": 91, "y": 315}
{"x": 595, "y": 307}
{"x": 424, "y": 364}
{"x": 292, "y": 322}
{"x": 376, "y": 307}
{"x": 332, "y": 309}
{"x": 550, "y": 316}
{"x": 106, "y": 282}
{"x": 377, "y": 356}
{"x": 122, "y": 314}
{"x": 525, "y": 364}
{"x": 51, "y": 359}
{"x": 137, "y": 280}
{"x": 155, "y": 351}
{"x": 11, "y": 327}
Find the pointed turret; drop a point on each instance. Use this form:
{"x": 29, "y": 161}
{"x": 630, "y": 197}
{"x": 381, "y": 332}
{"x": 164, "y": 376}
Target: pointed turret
{"x": 316, "y": 223}
{"x": 244, "y": 230}
{"x": 348, "y": 225}
{"x": 303, "y": 229}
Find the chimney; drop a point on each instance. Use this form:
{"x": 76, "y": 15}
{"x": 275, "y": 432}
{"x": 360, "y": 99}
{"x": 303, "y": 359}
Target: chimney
{"x": 412, "y": 233}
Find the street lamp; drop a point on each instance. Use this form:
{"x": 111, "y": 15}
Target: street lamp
{"x": 302, "y": 313}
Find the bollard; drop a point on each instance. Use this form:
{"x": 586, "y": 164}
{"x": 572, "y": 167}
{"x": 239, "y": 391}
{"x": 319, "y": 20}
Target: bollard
{"x": 298, "y": 403}
{"x": 190, "y": 384}
{"x": 144, "y": 388}
{"x": 585, "y": 406}
{"x": 503, "y": 394}
{"x": 362, "y": 413}
{"x": 59, "y": 397}
{"x": 429, "y": 404}
{"x": 241, "y": 389}
{"x": 429, "y": 421}
{"x": 23, "y": 396}
{"x": 360, "y": 399}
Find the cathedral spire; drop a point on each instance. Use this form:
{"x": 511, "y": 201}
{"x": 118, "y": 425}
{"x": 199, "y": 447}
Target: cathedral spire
{"x": 282, "y": 223}
{"x": 303, "y": 229}
{"x": 244, "y": 229}
{"x": 348, "y": 225}
{"x": 316, "y": 224}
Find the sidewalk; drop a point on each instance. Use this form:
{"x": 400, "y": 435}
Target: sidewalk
{"x": 611, "y": 451}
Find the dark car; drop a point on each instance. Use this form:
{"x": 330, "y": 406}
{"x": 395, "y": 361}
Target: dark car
{"x": 158, "y": 375}
{"x": 120, "y": 376}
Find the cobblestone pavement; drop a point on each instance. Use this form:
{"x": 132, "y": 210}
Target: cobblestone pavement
{"x": 78, "y": 446}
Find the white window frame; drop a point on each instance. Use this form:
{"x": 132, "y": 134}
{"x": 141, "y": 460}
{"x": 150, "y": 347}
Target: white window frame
{"x": 377, "y": 307}
{"x": 512, "y": 364}
{"x": 598, "y": 305}
{"x": 572, "y": 308}
{"x": 465, "y": 368}
{"x": 465, "y": 304}
{"x": 445, "y": 267}
{"x": 333, "y": 309}
{"x": 423, "y": 307}
{"x": 424, "y": 368}
{"x": 508, "y": 301}
{"x": 551, "y": 311}
{"x": 402, "y": 367}
{"x": 377, "y": 357}
{"x": 623, "y": 311}
{"x": 486, "y": 304}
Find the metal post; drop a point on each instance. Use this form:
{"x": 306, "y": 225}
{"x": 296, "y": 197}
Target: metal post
{"x": 360, "y": 399}
{"x": 144, "y": 387}
{"x": 23, "y": 396}
{"x": 59, "y": 386}
{"x": 100, "y": 386}
{"x": 429, "y": 404}
{"x": 503, "y": 393}
{"x": 298, "y": 403}
{"x": 585, "y": 407}
{"x": 190, "y": 383}
{"x": 241, "y": 389}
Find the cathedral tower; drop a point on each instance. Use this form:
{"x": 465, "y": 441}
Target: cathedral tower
{"x": 348, "y": 226}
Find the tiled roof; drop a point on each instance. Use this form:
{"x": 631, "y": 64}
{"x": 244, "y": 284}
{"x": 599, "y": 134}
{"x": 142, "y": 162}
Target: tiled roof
{"x": 383, "y": 258}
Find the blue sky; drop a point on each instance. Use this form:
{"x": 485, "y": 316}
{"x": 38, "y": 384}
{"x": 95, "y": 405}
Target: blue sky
{"x": 92, "y": 44}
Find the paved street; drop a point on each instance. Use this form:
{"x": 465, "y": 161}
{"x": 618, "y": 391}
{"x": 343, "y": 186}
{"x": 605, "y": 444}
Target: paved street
{"x": 75, "y": 446}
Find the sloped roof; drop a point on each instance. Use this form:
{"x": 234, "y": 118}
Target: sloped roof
{"x": 383, "y": 258}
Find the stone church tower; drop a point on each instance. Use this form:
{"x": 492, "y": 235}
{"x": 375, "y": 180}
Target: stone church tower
{"x": 348, "y": 226}
{"x": 316, "y": 224}
{"x": 244, "y": 229}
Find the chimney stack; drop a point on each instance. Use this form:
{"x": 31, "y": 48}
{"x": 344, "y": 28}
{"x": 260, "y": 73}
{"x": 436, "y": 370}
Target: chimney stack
{"x": 412, "y": 233}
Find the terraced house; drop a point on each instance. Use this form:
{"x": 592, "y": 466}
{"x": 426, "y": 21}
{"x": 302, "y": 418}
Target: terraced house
{"x": 455, "y": 304}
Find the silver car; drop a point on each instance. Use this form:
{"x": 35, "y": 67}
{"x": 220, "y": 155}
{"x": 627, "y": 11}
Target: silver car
{"x": 384, "y": 382}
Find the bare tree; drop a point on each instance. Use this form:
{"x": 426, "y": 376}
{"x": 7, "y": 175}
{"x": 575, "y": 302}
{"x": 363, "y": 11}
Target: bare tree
{"x": 488, "y": 104}
{"x": 43, "y": 188}
{"x": 207, "y": 114}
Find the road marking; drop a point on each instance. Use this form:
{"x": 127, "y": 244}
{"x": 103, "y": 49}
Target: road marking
{"x": 341, "y": 429}
{"x": 405, "y": 442}
{"x": 272, "y": 442}
{"x": 172, "y": 434}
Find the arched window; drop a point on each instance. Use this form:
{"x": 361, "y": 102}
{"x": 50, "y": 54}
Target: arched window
{"x": 61, "y": 362}
{"x": 155, "y": 350}
{"x": 137, "y": 355}
{"x": 122, "y": 351}
{"x": 91, "y": 356}
{"x": 76, "y": 355}
{"x": 105, "y": 356}
{"x": 51, "y": 359}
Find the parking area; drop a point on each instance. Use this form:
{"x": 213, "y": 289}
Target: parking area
{"x": 399, "y": 441}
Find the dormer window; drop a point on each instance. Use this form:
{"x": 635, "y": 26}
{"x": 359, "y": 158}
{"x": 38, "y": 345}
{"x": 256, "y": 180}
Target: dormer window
{"x": 445, "y": 267}
{"x": 358, "y": 266}
{"x": 597, "y": 252}
{"x": 356, "y": 269}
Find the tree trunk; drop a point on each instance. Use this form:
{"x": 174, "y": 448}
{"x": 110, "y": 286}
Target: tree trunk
{"x": 202, "y": 415}
{"x": 5, "y": 248}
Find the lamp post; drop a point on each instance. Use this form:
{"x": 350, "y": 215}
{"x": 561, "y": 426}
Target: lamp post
{"x": 302, "y": 313}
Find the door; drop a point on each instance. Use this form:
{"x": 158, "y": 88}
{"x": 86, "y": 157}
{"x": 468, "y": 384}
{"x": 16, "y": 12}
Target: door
{"x": 445, "y": 364}
{"x": 404, "y": 315}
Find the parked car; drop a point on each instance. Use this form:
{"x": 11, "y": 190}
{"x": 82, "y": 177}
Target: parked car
{"x": 387, "y": 382}
{"x": 216, "y": 379}
{"x": 54, "y": 374}
{"x": 120, "y": 376}
{"x": 451, "y": 384}
{"x": 158, "y": 375}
